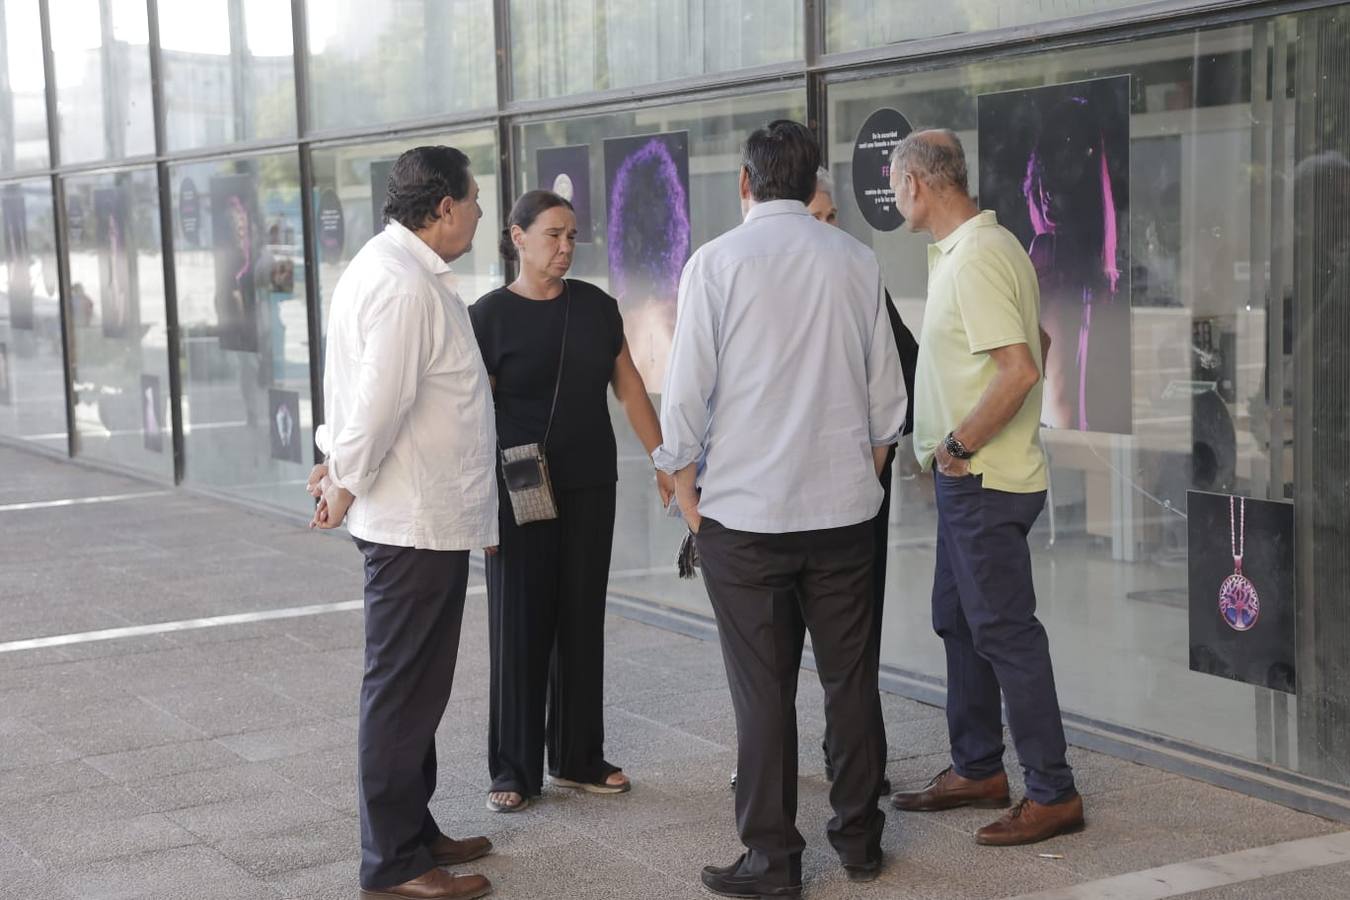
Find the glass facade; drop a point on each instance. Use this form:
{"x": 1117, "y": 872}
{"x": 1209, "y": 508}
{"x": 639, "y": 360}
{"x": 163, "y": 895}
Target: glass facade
{"x": 32, "y": 381}
{"x": 23, "y": 87}
{"x": 119, "y": 356}
{"x": 244, "y": 327}
{"x": 101, "y": 55}
{"x": 560, "y": 47}
{"x": 229, "y": 72}
{"x": 371, "y": 63}
{"x": 858, "y": 24}
{"x": 1198, "y": 352}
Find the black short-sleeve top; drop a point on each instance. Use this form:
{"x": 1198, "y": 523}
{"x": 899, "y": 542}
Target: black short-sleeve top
{"x": 521, "y": 340}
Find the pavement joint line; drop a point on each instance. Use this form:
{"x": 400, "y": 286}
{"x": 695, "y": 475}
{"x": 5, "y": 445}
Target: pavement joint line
{"x": 1210, "y": 872}
{"x": 265, "y": 615}
{"x": 81, "y": 501}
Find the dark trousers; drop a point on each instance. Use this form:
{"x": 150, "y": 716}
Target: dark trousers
{"x": 546, "y": 609}
{"x": 414, "y": 607}
{"x": 763, "y": 588}
{"x": 984, "y": 609}
{"x": 881, "y": 532}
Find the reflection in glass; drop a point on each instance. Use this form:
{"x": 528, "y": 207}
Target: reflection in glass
{"x": 119, "y": 348}
{"x": 372, "y": 63}
{"x": 1205, "y": 281}
{"x": 561, "y": 47}
{"x": 350, "y": 188}
{"x": 858, "y": 24}
{"x": 239, "y": 268}
{"x": 23, "y": 86}
{"x": 101, "y": 51}
{"x": 32, "y": 382}
{"x": 709, "y": 137}
{"x": 229, "y": 72}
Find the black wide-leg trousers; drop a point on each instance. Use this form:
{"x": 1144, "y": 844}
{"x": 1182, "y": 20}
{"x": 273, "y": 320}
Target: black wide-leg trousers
{"x": 414, "y": 605}
{"x": 764, "y": 588}
{"x": 546, "y": 610}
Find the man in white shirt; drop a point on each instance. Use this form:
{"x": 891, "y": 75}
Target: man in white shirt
{"x": 409, "y": 440}
{"x": 785, "y": 389}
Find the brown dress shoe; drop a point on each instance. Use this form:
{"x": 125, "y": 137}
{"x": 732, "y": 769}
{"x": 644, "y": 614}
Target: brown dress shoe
{"x": 948, "y": 790}
{"x": 434, "y": 885}
{"x": 1029, "y": 822}
{"x": 450, "y": 852}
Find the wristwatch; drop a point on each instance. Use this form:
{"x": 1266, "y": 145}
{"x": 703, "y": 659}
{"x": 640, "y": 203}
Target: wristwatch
{"x": 955, "y": 448}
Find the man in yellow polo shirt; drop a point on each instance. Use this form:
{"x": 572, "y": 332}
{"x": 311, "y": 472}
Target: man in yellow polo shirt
{"x": 977, "y": 404}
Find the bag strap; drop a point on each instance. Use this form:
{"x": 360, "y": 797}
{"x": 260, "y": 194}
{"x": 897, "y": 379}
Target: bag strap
{"x": 562, "y": 355}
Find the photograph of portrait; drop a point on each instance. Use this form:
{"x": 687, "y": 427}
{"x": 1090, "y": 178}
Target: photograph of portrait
{"x": 119, "y": 308}
{"x": 153, "y": 422}
{"x": 237, "y": 243}
{"x": 566, "y": 171}
{"x": 284, "y": 423}
{"x": 1055, "y": 167}
{"x": 379, "y": 189}
{"x": 17, "y": 261}
{"x": 1242, "y": 603}
{"x": 648, "y": 237}
{"x": 6, "y": 392}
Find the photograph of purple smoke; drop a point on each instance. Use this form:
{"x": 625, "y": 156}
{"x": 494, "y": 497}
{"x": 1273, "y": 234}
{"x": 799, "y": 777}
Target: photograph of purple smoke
{"x": 1055, "y": 167}
{"x": 648, "y": 238}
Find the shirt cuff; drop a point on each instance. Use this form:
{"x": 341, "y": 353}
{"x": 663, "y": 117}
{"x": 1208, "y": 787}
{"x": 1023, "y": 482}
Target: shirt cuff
{"x": 670, "y": 463}
{"x": 323, "y": 438}
{"x": 352, "y": 484}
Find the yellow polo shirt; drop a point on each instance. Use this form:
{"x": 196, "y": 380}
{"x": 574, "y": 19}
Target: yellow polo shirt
{"x": 982, "y": 295}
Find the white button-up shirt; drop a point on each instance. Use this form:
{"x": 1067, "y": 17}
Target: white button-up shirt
{"x": 783, "y": 375}
{"x": 410, "y": 426}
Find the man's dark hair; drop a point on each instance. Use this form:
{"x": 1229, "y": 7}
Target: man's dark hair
{"x": 782, "y": 159}
{"x": 419, "y": 180}
{"x": 530, "y": 206}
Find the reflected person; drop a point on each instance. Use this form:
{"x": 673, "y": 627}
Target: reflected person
{"x": 410, "y": 446}
{"x": 977, "y": 423}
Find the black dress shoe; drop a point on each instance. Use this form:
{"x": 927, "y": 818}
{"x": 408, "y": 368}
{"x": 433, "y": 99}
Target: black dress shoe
{"x": 728, "y": 881}
{"x": 860, "y": 874}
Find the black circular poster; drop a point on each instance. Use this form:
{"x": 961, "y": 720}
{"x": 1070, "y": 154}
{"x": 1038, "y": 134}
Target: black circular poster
{"x": 872, "y": 148}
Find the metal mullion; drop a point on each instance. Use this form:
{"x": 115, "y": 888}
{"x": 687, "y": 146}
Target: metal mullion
{"x": 58, "y": 222}
{"x": 173, "y": 332}
{"x": 309, "y": 241}
{"x": 813, "y": 23}
{"x": 506, "y": 145}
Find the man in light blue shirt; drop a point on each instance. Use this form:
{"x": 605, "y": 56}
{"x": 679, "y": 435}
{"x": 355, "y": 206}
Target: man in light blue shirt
{"x": 784, "y": 390}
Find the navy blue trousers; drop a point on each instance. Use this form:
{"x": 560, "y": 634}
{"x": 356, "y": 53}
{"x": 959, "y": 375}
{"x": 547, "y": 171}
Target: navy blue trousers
{"x": 984, "y": 609}
{"x": 414, "y": 607}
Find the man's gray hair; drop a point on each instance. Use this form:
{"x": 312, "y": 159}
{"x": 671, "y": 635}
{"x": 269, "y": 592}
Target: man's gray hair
{"x": 936, "y": 156}
{"x": 825, "y": 181}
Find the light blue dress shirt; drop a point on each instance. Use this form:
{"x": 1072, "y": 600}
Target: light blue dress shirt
{"x": 783, "y": 375}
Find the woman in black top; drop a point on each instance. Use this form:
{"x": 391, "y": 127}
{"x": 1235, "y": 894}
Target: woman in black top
{"x": 548, "y": 580}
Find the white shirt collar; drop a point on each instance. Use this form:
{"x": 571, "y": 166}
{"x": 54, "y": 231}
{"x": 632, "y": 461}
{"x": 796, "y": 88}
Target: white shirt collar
{"x": 776, "y": 208}
{"x": 408, "y": 240}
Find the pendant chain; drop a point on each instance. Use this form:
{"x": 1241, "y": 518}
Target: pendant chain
{"x": 1233, "y": 529}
